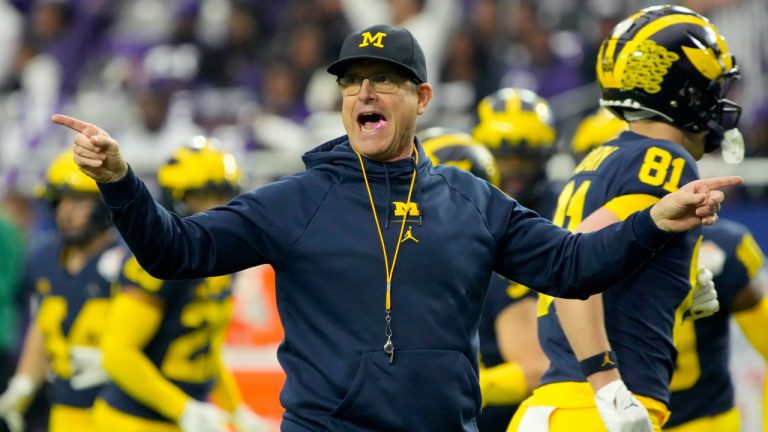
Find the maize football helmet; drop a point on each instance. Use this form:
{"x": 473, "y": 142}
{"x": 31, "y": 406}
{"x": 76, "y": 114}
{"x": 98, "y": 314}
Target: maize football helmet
{"x": 595, "y": 129}
{"x": 669, "y": 62}
{"x": 515, "y": 121}
{"x": 63, "y": 176}
{"x": 199, "y": 167}
{"x": 64, "y": 179}
{"x": 517, "y": 126}
{"x": 457, "y": 148}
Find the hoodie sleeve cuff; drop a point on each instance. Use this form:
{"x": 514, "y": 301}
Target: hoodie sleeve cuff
{"x": 647, "y": 233}
{"x": 118, "y": 194}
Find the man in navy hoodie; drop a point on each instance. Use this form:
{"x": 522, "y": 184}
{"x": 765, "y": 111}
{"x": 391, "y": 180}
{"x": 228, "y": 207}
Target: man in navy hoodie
{"x": 382, "y": 260}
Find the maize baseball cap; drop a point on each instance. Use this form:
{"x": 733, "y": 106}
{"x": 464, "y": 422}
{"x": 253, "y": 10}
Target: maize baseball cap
{"x": 386, "y": 43}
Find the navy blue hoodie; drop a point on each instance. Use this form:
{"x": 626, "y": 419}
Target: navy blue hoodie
{"x": 317, "y": 230}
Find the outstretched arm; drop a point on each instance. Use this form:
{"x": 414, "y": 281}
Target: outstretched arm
{"x": 576, "y": 265}
{"x": 168, "y": 247}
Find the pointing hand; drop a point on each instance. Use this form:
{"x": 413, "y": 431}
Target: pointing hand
{"x": 95, "y": 152}
{"x": 692, "y": 205}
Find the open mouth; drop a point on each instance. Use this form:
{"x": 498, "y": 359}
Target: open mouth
{"x": 371, "y": 121}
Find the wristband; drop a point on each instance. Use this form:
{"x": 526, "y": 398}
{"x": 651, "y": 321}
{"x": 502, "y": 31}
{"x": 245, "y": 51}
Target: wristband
{"x": 604, "y": 361}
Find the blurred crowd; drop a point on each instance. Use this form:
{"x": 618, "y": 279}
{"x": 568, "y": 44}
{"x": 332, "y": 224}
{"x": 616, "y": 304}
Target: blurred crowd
{"x": 251, "y": 73}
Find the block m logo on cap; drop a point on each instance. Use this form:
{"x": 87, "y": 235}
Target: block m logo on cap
{"x": 375, "y": 40}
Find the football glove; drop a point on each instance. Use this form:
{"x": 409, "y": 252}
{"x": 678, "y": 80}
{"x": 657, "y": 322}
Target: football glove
{"x": 704, "y": 297}
{"x": 246, "y": 420}
{"x": 14, "y": 401}
{"x": 86, "y": 367}
{"x": 620, "y": 410}
{"x": 203, "y": 417}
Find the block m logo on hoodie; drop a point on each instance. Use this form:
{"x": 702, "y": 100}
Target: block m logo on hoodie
{"x": 408, "y": 210}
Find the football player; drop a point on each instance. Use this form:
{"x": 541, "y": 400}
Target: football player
{"x": 163, "y": 344}
{"x": 511, "y": 361}
{"x": 702, "y": 391}
{"x": 517, "y": 125}
{"x": 72, "y": 275}
{"x": 702, "y": 388}
{"x": 665, "y": 70}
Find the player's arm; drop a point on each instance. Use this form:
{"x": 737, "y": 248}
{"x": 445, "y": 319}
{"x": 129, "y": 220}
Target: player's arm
{"x": 33, "y": 362}
{"x": 753, "y": 318}
{"x": 750, "y": 306}
{"x": 584, "y": 327}
{"x": 227, "y": 394}
{"x": 32, "y": 366}
{"x": 525, "y": 362}
{"x": 124, "y": 359}
{"x": 582, "y": 321}
{"x": 225, "y": 391}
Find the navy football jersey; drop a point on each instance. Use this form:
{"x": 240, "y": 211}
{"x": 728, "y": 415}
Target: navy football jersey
{"x": 71, "y": 311}
{"x": 625, "y": 175}
{"x": 701, "y": 385}
{"x": 196, "y": 313}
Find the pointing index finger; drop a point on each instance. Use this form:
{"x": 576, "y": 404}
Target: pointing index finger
{"x": 721, "y": 182}
{"x": 77, "y": 125}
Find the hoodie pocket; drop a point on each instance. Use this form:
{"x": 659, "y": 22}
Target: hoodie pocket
{"x": 422, "y": 390}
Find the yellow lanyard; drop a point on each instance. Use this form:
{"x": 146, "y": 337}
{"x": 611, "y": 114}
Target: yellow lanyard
{"x": 389, "y": 347}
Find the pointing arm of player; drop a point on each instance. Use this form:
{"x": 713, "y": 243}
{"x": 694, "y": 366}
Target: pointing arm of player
{"x": 584, "y": 326}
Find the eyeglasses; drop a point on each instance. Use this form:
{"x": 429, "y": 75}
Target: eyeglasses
{"x": 381, "y": 83}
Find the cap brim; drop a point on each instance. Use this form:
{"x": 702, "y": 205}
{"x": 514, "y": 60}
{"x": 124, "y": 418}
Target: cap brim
{"x": 339, "y": 66}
